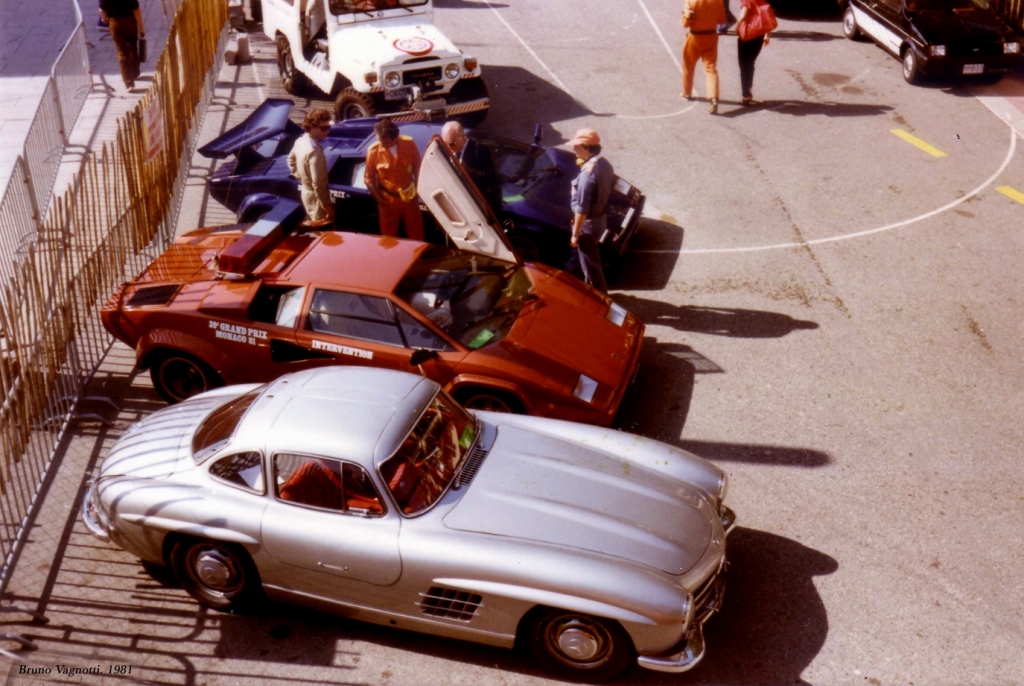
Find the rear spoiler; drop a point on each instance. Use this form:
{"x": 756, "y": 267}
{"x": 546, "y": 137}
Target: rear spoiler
{"x": 270, "y": 119}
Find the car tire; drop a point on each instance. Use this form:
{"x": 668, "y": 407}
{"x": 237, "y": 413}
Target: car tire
{"x": 292, "y": 79}
{"x": 910, "y": 66}
{"x": 178, "y": 376}
{"x": 577, "y": 646}
{"x": 850, "y": 28}
{"x": 489, "y": 400}
{"x": 351, "y": 104}
{"x": 219, "y": 575}
{"x": 470, "y": 89}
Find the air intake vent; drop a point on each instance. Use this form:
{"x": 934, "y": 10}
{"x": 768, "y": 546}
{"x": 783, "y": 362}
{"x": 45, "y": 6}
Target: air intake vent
{"x": 153, "y": 295}
{"x": 450, "y": 604}
{"x": 472, "y": 465}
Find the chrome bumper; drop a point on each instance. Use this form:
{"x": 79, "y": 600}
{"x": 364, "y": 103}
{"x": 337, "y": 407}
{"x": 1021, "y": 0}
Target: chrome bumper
{"x": 683, "y": 661}
{"x": 89, "y": 516}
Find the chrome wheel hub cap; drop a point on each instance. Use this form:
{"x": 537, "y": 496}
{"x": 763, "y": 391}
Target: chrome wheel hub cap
{"x": 213, "y": 569}
{"x": 578, "y": 644}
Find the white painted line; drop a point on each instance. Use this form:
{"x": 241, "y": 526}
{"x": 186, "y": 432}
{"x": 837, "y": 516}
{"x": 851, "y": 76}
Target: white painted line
{"x": 858, "y": 234}
{"x": 655, "y": 116}
{"x": 671, "y": 52}
{"x": 259, "y": 82}
{"x": 530, "y": 50}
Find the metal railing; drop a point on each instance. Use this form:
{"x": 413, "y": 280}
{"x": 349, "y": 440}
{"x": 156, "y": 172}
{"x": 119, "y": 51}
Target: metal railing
{"x": 35, "y": 170}
{"x": 62, "y": 257}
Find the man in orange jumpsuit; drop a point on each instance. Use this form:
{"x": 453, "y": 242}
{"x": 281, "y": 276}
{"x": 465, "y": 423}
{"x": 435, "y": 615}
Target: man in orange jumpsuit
{"x": 391, "y": 168}
{"x": 702, "y": 17}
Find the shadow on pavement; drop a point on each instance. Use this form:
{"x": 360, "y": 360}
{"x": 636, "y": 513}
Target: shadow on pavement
{"x": 717, "y": 321}
{"x": 658, "y": 402}
{"x": 648, "y": 271}
{"x": 520, "y": 99}
{"x": 804, "y": 36}
{"x": 804, "y": 108}
{"x": 806, "y": 10}
{"x": 770, "y": 455}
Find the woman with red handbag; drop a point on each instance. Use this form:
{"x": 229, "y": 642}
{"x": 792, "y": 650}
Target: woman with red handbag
{"x": 754, "y": 28}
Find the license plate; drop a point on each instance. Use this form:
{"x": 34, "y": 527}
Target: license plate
{"x": 974, "y": 68}
{"x": 397, "y": 94}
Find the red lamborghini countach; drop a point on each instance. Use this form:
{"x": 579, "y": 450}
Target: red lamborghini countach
{"x": 250, "y": 302}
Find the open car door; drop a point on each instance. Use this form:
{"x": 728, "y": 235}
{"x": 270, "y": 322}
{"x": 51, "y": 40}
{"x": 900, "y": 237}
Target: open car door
{"x": 458, "y": 206}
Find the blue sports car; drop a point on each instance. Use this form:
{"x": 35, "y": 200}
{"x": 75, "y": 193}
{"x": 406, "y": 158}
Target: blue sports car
{"x": 527, "y": 185}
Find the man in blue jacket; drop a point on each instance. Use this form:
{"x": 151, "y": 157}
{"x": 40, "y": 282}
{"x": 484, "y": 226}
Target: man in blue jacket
{"x": 590, "y": 192}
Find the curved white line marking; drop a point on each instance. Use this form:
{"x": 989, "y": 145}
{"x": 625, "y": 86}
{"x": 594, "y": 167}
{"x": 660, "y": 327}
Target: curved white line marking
{"x": 858, "y": 234}
{"x": 671, "y": 52}
{"x": 654, "y": 116}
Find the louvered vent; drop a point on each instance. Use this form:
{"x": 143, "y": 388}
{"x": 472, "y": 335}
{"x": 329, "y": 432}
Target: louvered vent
{"x": 153, "y": 295}
{"x": 472, "y": 465}
{"x": 450, "y": 604}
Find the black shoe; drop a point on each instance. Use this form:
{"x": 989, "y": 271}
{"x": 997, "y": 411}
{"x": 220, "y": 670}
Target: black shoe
{"x": 714, "y": 107}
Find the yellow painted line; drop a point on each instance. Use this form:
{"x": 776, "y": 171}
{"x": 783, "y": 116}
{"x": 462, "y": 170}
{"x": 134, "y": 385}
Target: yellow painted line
{"x": 1012, "y": 193}
{"x": 917, "y": 143}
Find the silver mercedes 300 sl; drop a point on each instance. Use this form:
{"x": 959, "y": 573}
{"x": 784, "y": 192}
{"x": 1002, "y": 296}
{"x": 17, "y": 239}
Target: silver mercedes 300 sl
{"x": 371, "y": 493}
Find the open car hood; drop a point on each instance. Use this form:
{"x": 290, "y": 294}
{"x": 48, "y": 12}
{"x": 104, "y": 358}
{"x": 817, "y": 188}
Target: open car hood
{"x": 269, "y": 120}
{"x": 460, "y": 210}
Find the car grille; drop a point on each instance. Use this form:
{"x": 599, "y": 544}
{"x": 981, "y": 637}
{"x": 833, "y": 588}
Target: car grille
{"x": 707, "y": 599}
{"x": 449, "y": 603}
{"x": 416, "y": 75}
{"x": 153, "y": 295}
{"x": 975, "y": 51}
{"x": 473, "y": 462}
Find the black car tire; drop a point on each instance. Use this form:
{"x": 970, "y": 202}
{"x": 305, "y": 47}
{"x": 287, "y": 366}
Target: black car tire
{"x": 577, "y": 646}
{"x": 292, "y": 79}
{"x": 218, "y": 575}
{"x": 178, "y": 376}
{"x": 470, "y": 89}
{"x": 351, "y": 104}
{"x": 489, "y": 400}
{"x": 910, "y": 66}
{"x": 850, "y": 28}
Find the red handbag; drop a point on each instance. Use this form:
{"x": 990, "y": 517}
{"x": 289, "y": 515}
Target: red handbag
{"x": 760, "y": 20}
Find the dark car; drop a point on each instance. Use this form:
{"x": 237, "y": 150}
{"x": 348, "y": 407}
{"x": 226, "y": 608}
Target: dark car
{"x": 530, "y": 183}
{"x": 936, "y": 37}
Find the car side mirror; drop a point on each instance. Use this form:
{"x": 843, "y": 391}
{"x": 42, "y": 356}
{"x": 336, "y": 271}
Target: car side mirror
{"x": 421, "y": 355}
{"x": 536, "y": 135}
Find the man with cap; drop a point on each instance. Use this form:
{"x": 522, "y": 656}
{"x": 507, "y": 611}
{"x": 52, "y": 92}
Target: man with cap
{"x": 590, "y": 192}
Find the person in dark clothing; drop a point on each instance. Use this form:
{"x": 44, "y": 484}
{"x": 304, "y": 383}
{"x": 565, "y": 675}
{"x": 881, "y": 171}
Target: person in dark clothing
{"x": 125, "y": 20}
{"x": 747, "y": 52}
{"x": 590, "y": 192}
{"x": 476, "y": 159}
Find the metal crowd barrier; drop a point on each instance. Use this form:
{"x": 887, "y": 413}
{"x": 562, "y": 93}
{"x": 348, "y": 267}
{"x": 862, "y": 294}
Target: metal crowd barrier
{"x": 61, "y": 257}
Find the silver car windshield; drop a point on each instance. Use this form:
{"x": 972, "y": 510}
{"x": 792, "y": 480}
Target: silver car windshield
{"x": 472, "y": 298}
{"x": 218, "y": 427}
{"x": 419, "y": 473}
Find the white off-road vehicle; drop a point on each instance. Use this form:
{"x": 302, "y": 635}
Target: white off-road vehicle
{"x": 375, "y": 57}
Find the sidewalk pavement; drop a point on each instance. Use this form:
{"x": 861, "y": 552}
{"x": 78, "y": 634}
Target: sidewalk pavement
{"x": 29, "y": 46}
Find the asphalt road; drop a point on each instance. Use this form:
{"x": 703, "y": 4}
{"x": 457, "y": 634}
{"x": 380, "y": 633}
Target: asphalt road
{"x": 833, "y": 317}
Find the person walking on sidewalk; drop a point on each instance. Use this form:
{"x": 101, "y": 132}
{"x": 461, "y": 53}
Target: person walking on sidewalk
{"x": 590, "y": 192}
{"x": 125, "y": 21}
{"x": 392, "y": 164}
{"x": 308, "y": 164}
{"x": 702, "y": 17}
{"x": 748, "y": 47}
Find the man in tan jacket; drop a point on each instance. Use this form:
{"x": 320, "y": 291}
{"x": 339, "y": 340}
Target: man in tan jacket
{"x": 307, "y": 162}
{"x": 702, "y": 17}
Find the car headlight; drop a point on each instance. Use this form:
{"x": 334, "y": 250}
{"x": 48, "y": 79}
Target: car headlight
{"x": 616, "y": 314}
{"x": 471, "y": 63}
{"x": 392, "y": 79}
{"x": 937, "y": 50}
{"x": 451, "y": 71}
{"x": 585, "y": 388}
{"x": 1011, "y": 48}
